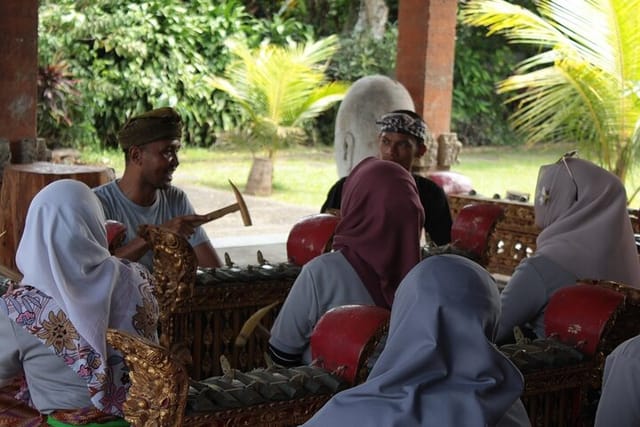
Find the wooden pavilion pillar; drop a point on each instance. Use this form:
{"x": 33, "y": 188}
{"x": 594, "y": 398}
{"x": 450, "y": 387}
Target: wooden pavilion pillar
{"x": 19, "y": 73}
{"x": 22, "y": 179}
{"x": 425, "y": 58}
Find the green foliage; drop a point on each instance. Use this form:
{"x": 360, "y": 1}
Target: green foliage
{"x": 124, "y": 58}
{"x": 479, "y": 116}
{"x": 327, "y": 17}
{"x": 362, "y": 55}
{"x": 581, "y": 84}
{"x": 128, "y": 58}
{"x": 278, "y": 89}
{"x": 57, "y": 104}
{"x": 279, "y": 31}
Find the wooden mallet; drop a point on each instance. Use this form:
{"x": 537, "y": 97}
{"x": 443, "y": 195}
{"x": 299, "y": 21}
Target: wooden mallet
{"x": 240, "y": 205}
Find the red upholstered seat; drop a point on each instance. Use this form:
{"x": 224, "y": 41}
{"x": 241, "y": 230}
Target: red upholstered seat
{"x": 345, "y": 337}
{"x": 451, "y": 182}
{"x": 310, "y": 236}
{"x": 472, "y": 227}
{"x": 579, "y": 315}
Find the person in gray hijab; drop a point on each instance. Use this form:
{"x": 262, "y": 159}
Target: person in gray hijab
{"x": 618, "y": 405}
{"x": 586, "y": 234}
{"x": 439, "y": 366}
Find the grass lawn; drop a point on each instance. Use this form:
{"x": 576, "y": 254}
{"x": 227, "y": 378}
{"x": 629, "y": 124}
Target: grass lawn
{"x": 303, "y": 175}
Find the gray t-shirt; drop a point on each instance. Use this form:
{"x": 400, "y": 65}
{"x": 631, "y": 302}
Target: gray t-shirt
{"x": 170, "y": 203}
{"x": 60, "y": 388}
{"x": 527, "y": 293}
{"x": 325, "y": 282}
{"x": 618, "y": 405}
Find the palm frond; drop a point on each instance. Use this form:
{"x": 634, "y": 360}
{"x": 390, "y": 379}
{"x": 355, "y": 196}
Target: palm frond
{"x": 280, "y": 87}
{"x": 514, "y": 22}
{"x": 582, "y": 85}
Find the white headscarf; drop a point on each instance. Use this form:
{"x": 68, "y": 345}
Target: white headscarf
{"x": 438, "y": 367}
{"x": 63, "y": 254}
{"x": 582, "y": 210}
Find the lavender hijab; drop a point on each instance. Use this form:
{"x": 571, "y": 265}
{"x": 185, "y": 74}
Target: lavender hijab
{"x": 582, "y": 210}
{"x": 380, "y": 226}
{"x": 439, "y": 366}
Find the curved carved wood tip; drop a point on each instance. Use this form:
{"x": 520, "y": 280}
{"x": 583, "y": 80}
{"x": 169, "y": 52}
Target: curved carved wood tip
{"x": 252, "y": 323}
{"x": 159, "y": 382}
{"x": 174, "y": 267}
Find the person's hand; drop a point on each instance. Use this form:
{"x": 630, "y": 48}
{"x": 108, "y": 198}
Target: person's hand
{"x": 184, "y": 225}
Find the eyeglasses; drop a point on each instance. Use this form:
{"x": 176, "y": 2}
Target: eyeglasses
{"x": 563, "y": 159}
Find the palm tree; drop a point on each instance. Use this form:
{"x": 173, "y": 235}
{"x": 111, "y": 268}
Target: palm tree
{"x": 278, "y": 89}
{"x": 583, "y": 84}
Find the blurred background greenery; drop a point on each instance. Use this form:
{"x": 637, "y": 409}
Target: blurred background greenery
{"x": 304, "y": 175}
{"x": 101, "y": 61}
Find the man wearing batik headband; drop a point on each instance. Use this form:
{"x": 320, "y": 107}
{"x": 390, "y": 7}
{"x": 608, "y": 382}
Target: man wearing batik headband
{"x": 144, "y": 194}
{"x": 401, "y": 139}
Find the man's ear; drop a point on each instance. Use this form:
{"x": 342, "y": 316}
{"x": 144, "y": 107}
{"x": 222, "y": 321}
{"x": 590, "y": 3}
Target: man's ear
{"x": 135, "y": 154}
{"x": 420, "y": 150}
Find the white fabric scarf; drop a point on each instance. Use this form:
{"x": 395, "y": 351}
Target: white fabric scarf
{"x": 63, "y": 253}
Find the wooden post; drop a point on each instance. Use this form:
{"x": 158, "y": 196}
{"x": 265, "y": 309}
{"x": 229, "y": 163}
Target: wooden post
{"x": 425, "y": 57}
{"x": 21, "y": 183}
{"x": 19, "y": 76}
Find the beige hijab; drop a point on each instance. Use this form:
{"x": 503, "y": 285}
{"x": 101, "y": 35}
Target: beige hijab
{"x": 582, "y": 210}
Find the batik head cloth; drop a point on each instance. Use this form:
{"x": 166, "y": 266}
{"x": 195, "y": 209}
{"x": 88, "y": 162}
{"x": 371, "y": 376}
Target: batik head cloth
{"x": 155, "y": 125}
{"x": 405, "y": 123}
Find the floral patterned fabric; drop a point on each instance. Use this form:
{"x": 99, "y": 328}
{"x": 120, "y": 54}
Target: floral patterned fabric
{"x": 73, "y": 290}
{"x": 43, "y": 318}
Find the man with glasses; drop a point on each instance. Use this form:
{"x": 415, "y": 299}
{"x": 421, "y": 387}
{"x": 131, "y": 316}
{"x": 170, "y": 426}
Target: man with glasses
{"x": 144, "y": 194}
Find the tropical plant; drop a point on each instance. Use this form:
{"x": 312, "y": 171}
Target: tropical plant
{"x": 128, "y": 57}
{"x": 479, "y": 117}
{"x": 57, "y": 94}
{"x": 583, "y": 84}
{"x": 277, "y": 89}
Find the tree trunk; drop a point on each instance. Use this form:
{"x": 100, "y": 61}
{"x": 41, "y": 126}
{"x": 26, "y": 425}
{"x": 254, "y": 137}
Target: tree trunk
{"x": 372, "y": 18}
{"x": 260, "y": 180}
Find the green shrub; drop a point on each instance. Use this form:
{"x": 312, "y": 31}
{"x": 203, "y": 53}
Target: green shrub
{"x": 479, "y": 115}
{"x": 128, "y": 58}
{"x": 358, "y": 56}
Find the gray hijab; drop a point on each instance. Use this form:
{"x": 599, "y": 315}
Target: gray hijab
{"x": 439, "y": 367}
{"x": 582, "y": 210}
